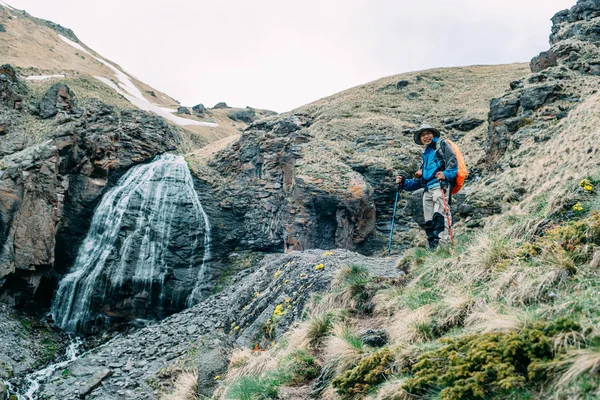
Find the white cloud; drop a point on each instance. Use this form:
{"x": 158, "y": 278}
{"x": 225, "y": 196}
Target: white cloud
{"x": 280, "y": 55}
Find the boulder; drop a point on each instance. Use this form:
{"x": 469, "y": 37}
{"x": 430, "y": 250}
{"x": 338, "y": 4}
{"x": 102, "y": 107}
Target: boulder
{"x": 374, "y": 338}
{"x": 247, "y": 115}
{"x": 199, "y": 110}
{"x": 221, "y": 104}
{"x": 58, "y": 98}
{"x": 402, "y": 84}
{"x": 183, "y": 110}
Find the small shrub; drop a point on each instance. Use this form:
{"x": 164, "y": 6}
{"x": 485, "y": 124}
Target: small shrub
{"x": 483, "y": 365}
{"x": 370, "y": 371}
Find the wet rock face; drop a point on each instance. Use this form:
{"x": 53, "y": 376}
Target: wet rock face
{"x": 546, "y": 96}
{"x": 48, "y": 190}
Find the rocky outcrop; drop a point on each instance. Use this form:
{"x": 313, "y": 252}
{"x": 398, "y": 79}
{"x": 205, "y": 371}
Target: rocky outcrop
{"x": 243, "y": 315}
{"x": 277, "y": 207}
{"x": 539, "y": 100}
{"x": 49, "y": 189}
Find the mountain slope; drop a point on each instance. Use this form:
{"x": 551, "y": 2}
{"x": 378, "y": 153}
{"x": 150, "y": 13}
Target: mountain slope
{"x": 44, "y": 52}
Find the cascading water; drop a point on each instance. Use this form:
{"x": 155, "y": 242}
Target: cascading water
{"x": 146, "y": 230}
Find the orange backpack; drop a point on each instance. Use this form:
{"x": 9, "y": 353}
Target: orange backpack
{"x": 462, "y": 167}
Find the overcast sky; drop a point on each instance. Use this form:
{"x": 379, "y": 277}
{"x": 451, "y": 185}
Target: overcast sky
{"x": 279, "y": 55}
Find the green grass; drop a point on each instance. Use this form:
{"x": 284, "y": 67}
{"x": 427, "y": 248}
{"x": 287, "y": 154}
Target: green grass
{"x": 254, "y": 388}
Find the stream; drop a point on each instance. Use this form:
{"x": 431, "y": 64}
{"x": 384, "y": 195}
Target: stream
{"x": 33, "y": 381}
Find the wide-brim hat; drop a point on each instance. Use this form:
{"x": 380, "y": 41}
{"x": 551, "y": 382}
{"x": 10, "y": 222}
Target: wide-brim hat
{"x": 423, "y": 128}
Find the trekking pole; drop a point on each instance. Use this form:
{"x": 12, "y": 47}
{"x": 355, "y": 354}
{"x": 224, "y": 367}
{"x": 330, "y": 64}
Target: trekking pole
{"x": 398, "y": 190}
{"x": 447, "y": 209}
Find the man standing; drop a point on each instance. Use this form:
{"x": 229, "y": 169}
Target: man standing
{"x": 438, "y": 170}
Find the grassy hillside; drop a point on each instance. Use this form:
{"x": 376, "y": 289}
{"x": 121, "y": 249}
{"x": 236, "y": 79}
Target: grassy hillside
{"x": 509, "y": 312}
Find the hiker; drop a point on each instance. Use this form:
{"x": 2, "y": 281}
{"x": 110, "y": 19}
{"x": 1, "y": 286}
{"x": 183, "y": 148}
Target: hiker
{"x": 439, "y": 168}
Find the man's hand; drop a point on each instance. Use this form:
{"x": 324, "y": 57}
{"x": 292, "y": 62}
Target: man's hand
{"x": 419, "y": 174}
{"x": 400, "y": 180}
{"x": 440, "y": 176}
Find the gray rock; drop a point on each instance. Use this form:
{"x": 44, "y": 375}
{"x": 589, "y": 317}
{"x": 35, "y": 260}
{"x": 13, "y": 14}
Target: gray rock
{"x": 534, "y": 97}
{"x": 221, "y": 104}
{"x": 402, "y": 84}
{"x": 465, "y": 124}
{"x": 2, "y": 28}
{"x": 374, "y": 338}
{"x": 199, "y": 110}
{"x": 93, "y": 382}
{"x": 504, "y": 107}
{"x": 247, "y": 115}
{"x": 58, "y": 98}
{"x": 183, "y": 110}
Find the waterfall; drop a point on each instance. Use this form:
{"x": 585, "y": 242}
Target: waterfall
{"x": 146, "y": 229}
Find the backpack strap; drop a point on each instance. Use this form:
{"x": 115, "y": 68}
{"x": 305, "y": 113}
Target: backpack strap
{"x": 440, "y": 152}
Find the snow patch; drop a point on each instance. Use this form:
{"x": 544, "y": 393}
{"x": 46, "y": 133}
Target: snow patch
{"x": 145, "y": 105}
{"x": 43, "y": 77}
{"x": 73, "y": 44}
{"x": 127, "y": 89}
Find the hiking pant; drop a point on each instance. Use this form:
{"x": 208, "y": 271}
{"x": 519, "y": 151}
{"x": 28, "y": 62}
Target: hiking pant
{"x": 436, "y": 223}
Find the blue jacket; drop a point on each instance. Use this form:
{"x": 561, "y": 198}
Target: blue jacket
{"x": 432, "y": 164}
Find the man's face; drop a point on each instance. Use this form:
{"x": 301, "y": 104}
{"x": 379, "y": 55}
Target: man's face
{"x": 426, "y": 137}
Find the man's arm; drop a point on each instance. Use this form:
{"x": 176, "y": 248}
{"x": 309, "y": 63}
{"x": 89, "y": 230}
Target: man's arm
{"x": 410, "y": 185}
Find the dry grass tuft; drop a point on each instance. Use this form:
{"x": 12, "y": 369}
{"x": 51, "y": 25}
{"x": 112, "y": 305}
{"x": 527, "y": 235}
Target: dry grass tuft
{"x": 392, "y": 390}
{"x": 344, "y": 348}
{"x": 186, "y": 388}
{"x": 386, "y": 301}
{"x": 411, "y": 326}
{"x": 490, "y": 320}
{"x": 245, "y": 362}
{"x": 577, "y": 364}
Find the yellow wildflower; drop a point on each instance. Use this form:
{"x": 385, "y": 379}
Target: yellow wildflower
{"x": 577, "y": 207}
{"x": 217, "y": 377}
{"x": 328, "y": 253}
{"x": 237, "y": 328}
{"x": 277, "y": 274}
{"x": 586, "y": 184}
{"x": 287, "y": 300}
{"x": 286, "y": 281}
{"x": 318, "y": 267}
{"x": 278, "y": 311}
